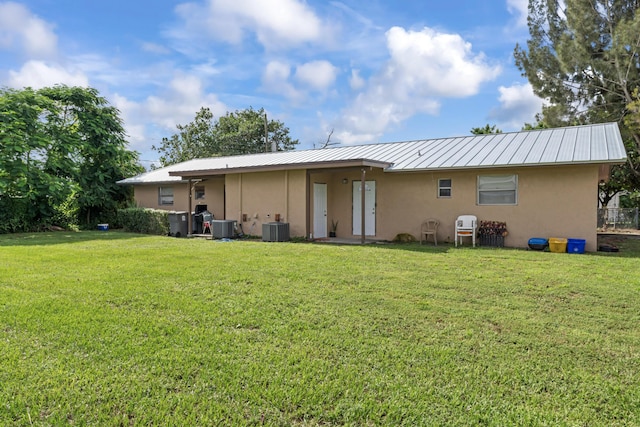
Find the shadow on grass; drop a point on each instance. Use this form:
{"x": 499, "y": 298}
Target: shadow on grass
{"x": 61, "y": 237}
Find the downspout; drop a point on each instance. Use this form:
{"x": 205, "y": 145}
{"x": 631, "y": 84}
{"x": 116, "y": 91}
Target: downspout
{"x": 363, "y": 187}
{"x": 307, "y": 186}
{"x": 239, "y": 195}
{"x": 189, "y": 220}
{"x": 286, "y": 195}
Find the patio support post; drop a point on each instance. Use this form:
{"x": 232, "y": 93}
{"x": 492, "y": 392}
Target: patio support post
{"x": 362, "y": 203}
{"x": 189, "y": 219}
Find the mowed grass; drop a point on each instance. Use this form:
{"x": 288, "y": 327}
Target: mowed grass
{"x": 121, "y": 329}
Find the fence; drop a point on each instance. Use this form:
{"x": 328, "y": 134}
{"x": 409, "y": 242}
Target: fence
{"x": 618, "y": 218}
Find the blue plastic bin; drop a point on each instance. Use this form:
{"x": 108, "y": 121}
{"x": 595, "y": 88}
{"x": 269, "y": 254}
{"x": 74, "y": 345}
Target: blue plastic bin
{"x": 576, "y": 246}
{"x": 538, "y": 243}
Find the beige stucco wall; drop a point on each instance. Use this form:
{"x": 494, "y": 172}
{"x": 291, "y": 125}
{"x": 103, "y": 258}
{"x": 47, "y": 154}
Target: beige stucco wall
{"x": 261, "y": 196}
{"x": 147, "y": 196}
{"x": 552, "y": 202}
{"x": 558, "y": 201}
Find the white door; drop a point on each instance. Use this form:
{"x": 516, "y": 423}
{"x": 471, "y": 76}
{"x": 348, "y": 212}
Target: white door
{"x": 319, "y": 210}
{"x": 369, "y": 208}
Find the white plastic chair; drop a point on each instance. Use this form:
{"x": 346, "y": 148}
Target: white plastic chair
{"x": 429, "y": 228}
{"x": 466, "y": 226}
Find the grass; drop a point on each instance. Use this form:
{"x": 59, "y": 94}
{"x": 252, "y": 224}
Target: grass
{"x": 121, "y": 329}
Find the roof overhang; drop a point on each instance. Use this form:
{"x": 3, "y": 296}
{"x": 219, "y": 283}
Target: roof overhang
{"x": 509, "y": 166}
{"x": 284, "y": 166}
{"x": 131, "y": 181}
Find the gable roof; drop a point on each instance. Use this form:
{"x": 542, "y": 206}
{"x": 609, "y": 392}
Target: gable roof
{"x": 597, "y": 144}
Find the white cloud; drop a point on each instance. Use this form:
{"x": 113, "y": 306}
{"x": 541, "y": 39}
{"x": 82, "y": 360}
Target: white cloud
{"x": 277, "y": 23}
{"x": 275, "y": 79}
{"x": 436, "y": 64}
{"x": 518, "y": 105}
{"x": 178, "y": 104}
{"x": 20, "y": 30}
{"x": 424, "y": 67}
{"x": 38, "y": 74}
{"x": 130, "y": 113}
{"x": 319, "y": 75}
{"x": 519, "y": 8}
{"x": 155, "y": 48}
{"x": 184, "y": 97}
{"x": 356, "y": 82}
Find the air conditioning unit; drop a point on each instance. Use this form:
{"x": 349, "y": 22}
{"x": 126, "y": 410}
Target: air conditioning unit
{"x": 275, "y": 232}
{"x": 222, "y": 228}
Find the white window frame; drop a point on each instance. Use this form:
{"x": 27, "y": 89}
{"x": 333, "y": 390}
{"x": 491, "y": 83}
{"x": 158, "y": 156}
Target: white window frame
{"x": 164, "y": 198}
{"x": 442, "y": 187}
{"x": 497, "y": 190}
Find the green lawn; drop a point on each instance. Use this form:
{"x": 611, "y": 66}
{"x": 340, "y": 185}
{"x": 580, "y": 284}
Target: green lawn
{"x": 121, "y": 329}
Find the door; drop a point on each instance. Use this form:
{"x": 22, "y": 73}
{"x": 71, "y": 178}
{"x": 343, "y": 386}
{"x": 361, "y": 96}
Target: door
{"x": 369, "y": 208}
{"x": 319, "y": 210}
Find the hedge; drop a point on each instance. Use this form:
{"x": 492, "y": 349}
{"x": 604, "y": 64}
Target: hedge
{"x": 144, "y": 220}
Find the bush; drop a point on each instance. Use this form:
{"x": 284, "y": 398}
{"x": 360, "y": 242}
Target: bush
{"x": 144, "y": 220}
{"x": 13, "y": 215}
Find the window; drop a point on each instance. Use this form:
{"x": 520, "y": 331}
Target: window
{"x": 497, "y": 189}
{"x": 199, "y": 192}
{"x": 444, "y": 187}
{"x": 165, "y": 195}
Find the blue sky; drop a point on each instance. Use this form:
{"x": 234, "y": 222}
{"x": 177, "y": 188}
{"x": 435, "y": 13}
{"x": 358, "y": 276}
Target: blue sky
{"x": 370, "y": 70}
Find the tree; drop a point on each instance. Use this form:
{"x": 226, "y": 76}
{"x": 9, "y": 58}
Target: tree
{"x": 240, "y": 132}
{"x": 193, "y": 140}
{"x": 583, "y": 57}
{"x": 62, "y": 151}
{"x": 486, "y": 130}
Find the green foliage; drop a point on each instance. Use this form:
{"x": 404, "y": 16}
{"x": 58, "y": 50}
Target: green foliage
{"x": 62, "y": 149}
{"x": 239, "y": 132}
{"x": 488, "y": 129}
{"x": 630, "y": 200}
{"x": 144, "y": 220}
{"x": 583, "y": 57}
{"x": 123, "y": 329}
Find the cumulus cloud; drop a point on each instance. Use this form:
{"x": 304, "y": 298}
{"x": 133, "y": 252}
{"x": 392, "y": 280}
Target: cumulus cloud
{"x": 275, "y": 79}
{"x": 436, "y": 64}
{"x": 319, "y": 75}
{"x": 177, "y": 104}
{"x": 518, "y": 105}
{"x": 39, "y": 74}
{"x": 277, "y": 23}
{"x": 182, "y": 99}
{"x": 424, "y": 67}
{"x": 20, "y": 30}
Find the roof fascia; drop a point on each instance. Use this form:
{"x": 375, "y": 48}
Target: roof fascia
{"x": 297, "y": 166}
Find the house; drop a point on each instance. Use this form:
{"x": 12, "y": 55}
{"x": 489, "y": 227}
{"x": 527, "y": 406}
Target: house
{"x": 543, "y": 183}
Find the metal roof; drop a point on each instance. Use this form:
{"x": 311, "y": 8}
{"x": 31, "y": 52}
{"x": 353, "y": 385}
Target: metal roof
{"x": 598, "y": 143}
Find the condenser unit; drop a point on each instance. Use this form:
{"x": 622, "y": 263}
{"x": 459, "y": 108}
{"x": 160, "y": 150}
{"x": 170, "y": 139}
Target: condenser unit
{"x": 275, "y": 232}
{"x": 222, "y": 228}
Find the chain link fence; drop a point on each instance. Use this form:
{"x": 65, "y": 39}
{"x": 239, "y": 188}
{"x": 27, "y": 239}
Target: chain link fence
{"x": 618, "y": 219}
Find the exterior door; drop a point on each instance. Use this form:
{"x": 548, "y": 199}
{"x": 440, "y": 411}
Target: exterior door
{"x": 369, "y": 208}
{"x": 319, "y": 210}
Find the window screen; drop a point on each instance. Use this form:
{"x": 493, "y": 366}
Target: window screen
{"x": 165, "y": 195}
{"x": 497, "y": 189}
{"x": 444, "y": 187}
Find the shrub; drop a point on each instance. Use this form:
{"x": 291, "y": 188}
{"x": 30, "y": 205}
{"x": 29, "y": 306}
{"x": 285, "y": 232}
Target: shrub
{"x": 144, "y": 220}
